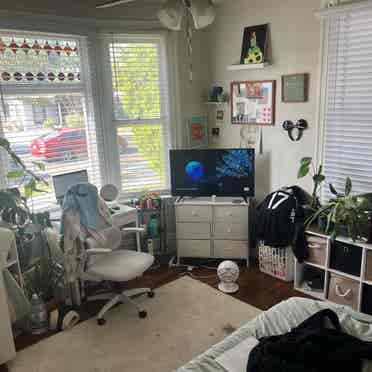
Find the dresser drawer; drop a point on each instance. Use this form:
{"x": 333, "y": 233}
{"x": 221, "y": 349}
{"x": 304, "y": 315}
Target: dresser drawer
{"x": 193, "y": 213}
{"x": 226, "y": 230}
{"x": 230, "y": 249}
{"x": 189, "y": 230}
{"x": 343, "y": 291}
{"x": 231, "y": 213}
{"x": 194, "y": 248}
{"x": 317, "y": 249}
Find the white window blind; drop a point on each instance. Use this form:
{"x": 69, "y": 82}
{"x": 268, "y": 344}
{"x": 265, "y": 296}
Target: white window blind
{"x": 46, "y": 108}
{"x": 140, "y": 111}
{"x": 348, "y": 113}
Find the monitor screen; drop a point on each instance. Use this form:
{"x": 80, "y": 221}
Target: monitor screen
{"x": 220, "y": 172}
{"x": 63, "y": 182}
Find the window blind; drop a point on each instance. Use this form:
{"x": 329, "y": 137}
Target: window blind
{"x": 348, "y": 113}
{"x": 46, "y": 109}
{"x": 140, "y": 111}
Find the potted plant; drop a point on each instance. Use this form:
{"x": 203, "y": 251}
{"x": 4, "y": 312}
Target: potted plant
{"x": 27, "y": 225}
{"x": 306, "y": 167}
{"x": 344, "y": 213}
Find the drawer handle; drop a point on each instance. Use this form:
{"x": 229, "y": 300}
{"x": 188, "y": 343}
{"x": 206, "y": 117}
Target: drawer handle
{"x": 339, "y": 292}
{"x": 193, "y": 213}
{"x": 229, "y": 230}
{"x": 314, "y": 245}
{"x": 228, "y": 214}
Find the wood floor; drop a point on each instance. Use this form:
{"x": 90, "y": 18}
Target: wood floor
{"x": 256, "y": 288}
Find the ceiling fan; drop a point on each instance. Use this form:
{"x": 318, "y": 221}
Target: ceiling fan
{"x": 172, "y": 12}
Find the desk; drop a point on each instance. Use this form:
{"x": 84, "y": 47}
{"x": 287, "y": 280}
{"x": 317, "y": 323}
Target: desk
{"x": 126, "y": 215}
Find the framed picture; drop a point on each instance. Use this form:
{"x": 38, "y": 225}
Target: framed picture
{"x": 253, "y": 102}
{"x": 197, "y": 131}
{"x": 295, "y": 87}
{"x": 254, "y": 44}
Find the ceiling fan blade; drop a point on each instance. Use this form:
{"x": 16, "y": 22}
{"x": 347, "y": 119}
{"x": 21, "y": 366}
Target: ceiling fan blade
{"x": 203, "y": 13}
{"x": 171, "y": 13}
{"x": 109, "y": 4}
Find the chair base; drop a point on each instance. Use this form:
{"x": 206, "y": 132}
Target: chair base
{"x": 122, "y": 297}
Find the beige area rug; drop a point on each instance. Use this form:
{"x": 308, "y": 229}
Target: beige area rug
{"x": 185, "y": 318}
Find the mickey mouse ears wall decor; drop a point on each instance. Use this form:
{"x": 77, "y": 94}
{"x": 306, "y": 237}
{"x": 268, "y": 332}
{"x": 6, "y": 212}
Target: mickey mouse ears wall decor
{"x": 300, "y": 126}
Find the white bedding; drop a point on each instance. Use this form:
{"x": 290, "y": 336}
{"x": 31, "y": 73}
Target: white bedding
{"x": 278, "y": 320}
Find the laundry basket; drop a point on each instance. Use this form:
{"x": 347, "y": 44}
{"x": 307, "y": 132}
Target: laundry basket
{"x": 277, "y": 262}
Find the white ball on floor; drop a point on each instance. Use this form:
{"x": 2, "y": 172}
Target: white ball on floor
{"x": 228, "y": 272}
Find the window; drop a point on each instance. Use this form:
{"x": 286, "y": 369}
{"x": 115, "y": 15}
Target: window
{"x": 140, "y": 111}
{"x": 45, "y": 108}
{"x": 348, "y": 111}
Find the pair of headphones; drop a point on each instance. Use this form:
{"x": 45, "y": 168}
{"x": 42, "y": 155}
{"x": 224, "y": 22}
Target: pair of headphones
{"x": 300, "y": 126}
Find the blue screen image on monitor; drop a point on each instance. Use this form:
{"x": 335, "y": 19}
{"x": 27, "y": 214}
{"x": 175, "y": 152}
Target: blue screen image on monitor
{"x": 220, "y": 172}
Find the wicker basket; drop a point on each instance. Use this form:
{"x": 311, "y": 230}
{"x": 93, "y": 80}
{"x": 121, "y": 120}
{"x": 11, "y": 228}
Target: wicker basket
{"x": 277, "y": 262}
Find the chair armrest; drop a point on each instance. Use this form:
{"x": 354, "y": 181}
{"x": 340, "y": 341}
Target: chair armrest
{"x": 93, "y": 251}
{"x": 134, "y": 229}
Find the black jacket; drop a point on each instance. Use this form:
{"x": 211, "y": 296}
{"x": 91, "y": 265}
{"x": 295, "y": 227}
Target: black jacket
{"x": 280, "y": 220}
{"x": 311, "y": 347}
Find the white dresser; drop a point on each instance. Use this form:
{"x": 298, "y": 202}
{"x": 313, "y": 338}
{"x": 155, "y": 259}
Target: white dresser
{"x": 212, "y": 229}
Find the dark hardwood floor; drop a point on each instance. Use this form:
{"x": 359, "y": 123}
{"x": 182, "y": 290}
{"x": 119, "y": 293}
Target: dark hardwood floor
{"x": 256, "y": 288}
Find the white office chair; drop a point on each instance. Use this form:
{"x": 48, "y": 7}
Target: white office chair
{"x": 100, "y": 258}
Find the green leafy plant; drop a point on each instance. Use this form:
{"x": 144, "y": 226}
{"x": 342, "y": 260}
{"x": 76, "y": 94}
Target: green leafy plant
{"x": 345, "y": 211}
{"x": 15, "y": 211}
{"x": 13, "y": 204}
{"x": 306, "y": 167}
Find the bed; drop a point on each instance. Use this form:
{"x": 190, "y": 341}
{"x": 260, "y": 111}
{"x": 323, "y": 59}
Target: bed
{"x": 277, "y": 320}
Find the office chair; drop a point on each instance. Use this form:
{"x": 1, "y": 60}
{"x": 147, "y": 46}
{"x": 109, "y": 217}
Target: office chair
{"x": 100, "y": 258}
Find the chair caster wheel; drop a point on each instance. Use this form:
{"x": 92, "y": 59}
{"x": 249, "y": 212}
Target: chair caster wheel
{"x": 142, "y": 314}
{"x": 151, "y": 294}
{"x": 101, "y": 321}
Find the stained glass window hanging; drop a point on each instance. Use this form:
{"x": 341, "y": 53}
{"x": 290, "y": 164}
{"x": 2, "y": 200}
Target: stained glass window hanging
{"x": 39, "y": 60}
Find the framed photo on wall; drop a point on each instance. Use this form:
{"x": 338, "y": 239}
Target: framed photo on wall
{"x": 253, "y": 102}
{"x": 254, "y": 45}
{"x": 197, "y": 129}
{"x": 295, "y": 88}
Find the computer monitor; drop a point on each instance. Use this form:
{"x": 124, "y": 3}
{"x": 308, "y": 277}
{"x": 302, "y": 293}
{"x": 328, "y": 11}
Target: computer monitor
{"x": 62, "y": 182}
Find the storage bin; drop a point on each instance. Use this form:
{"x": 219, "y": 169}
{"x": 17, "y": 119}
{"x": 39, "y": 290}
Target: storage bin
{"x": 317, "y": 249}
{"x": 343, "y": 290}
{"x": 277, "y": 262}
{"x": 346, "y": 257}
{"x": 368, "y": 275}
{"x": 367, "y": 299}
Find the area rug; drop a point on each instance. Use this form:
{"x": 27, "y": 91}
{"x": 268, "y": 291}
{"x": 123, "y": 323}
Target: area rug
{"x": 185, "y": 318}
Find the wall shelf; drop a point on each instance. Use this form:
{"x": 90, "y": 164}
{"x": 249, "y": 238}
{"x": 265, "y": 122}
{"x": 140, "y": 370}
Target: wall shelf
{"x": 253, "y": 66}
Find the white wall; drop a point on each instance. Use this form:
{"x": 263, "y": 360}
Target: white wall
{"x": 295, "y": 45}
{"x": 192, "y": 92}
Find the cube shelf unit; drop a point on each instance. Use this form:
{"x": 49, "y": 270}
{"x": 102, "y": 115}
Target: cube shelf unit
{"x": 357, "y": 271}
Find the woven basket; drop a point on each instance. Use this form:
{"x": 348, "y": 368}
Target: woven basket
{"x": 277, "y": 262}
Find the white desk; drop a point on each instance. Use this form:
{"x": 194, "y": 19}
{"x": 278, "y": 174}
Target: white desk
{"x": 126, "y": 215}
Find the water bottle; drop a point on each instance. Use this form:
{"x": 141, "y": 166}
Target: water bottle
{"x": 153, "y": 226}
{"x": 39, "y": 315}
